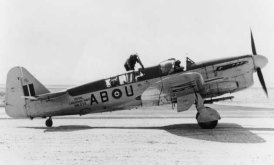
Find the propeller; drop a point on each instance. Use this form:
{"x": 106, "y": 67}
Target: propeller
{"x": 258, "y": 69}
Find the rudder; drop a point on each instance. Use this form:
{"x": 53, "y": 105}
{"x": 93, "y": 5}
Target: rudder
{"x": 19, "y": 85}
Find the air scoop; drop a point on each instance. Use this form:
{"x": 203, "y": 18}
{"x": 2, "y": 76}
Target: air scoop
{"x": 260, "y": 61}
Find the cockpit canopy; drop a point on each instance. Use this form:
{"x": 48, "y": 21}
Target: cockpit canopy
{"x": 167, "y": 66}
{"x": 171, "y": 66}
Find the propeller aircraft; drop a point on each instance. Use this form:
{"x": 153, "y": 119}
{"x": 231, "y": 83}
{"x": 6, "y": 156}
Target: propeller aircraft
{"x": 198, "y": 83}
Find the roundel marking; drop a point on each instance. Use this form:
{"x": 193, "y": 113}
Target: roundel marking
{"x": 116, "y": 93}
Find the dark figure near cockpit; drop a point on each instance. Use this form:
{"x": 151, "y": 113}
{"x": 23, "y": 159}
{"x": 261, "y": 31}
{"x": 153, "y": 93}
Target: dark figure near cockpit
{"x": 177, "y": 66}
{"x": 131, "y": 62}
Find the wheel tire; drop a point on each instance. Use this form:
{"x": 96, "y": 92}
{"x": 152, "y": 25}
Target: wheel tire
{"x": 49, "y": 123}
{"x": 208, "y": 125}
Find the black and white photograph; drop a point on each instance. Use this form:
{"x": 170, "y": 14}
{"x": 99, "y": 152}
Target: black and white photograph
{"x": 145, "y": 82}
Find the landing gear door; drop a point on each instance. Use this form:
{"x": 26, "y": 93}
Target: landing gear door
{"x": 184, "y": 102}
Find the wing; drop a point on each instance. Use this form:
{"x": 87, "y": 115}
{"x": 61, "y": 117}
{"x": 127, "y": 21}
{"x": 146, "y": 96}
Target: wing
{"x": 181, "y": 88}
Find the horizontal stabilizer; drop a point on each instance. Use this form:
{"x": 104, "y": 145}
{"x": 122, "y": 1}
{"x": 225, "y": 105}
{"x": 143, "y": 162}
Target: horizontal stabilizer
{"x": 31, "y": 98}
{"x": 48, "y": 96}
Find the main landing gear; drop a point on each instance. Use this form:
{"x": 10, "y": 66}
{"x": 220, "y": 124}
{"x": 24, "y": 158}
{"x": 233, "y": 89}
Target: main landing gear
{"x": 206, "y": 117}
{"x": 49, "y": 122}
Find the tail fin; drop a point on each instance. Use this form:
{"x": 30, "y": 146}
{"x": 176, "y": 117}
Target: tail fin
{"x": 20, "y": 83}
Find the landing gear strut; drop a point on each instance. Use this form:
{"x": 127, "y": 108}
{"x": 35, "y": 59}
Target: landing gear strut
{"x": 49, "y": 122}
{"x": 206, "y": 117}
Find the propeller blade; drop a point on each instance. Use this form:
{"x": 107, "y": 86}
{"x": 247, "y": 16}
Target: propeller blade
{"x": 261, "y": 78}
{"x": 253, "y": 44}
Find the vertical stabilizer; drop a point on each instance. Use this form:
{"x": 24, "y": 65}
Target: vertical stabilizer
{"x": 21, "y": 84}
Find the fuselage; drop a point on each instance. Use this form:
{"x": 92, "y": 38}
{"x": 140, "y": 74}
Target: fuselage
{"x": 125, "y": 91}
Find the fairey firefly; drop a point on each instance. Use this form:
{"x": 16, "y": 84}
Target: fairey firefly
{"x": 197, "y": 83}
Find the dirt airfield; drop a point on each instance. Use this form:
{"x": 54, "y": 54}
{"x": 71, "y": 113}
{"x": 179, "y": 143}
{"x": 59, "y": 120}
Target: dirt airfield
{"x": 145, "y": 136}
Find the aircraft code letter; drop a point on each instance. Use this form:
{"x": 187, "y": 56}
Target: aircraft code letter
{"x": 104, "y": 96}
{"x": 93, "y": 99}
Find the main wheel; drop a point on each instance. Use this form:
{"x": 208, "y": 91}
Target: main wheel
{"x": 49, "y": 122}
{"x": 208, "y": 125}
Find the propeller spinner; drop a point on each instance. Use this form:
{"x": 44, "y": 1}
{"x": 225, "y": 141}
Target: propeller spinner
{"x": 259, "y": 61}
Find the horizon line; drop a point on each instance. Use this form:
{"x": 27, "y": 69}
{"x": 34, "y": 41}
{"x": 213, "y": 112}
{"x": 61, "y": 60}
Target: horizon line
{"x": 71, "y": 85}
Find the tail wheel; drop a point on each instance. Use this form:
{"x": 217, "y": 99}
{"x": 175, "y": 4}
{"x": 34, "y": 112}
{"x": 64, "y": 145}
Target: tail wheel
{"x": 49, "y": 122}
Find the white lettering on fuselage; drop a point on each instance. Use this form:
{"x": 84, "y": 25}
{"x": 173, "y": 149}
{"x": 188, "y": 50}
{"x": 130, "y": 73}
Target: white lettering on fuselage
{"x": 79, "y": 101}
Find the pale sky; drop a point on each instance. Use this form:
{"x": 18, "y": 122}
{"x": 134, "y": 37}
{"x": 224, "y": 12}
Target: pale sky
{"x": 77, "y": 41}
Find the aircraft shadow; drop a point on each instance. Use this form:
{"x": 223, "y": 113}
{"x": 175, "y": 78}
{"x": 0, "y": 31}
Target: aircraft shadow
{"x": 224, "y": 132}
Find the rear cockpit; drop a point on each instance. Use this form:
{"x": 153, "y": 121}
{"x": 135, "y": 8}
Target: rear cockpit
{"x": 126, "y": 78}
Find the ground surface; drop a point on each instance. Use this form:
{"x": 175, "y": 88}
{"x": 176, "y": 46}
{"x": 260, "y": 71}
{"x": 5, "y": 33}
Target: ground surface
{"x": 148, "y": 136}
